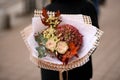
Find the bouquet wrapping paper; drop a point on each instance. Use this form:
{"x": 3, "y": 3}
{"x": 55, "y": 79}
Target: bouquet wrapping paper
{"x": 91, "y": 37}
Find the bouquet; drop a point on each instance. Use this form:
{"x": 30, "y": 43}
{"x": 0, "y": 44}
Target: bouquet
{"x": 60, "y": 42}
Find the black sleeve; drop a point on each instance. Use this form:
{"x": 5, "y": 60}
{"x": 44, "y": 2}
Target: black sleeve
{"x": 90, "y": 10}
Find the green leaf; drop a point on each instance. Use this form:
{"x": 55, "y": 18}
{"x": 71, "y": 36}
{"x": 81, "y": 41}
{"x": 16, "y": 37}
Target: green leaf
{"x": 40, "y": 39}
{"x": 42, "y": 51}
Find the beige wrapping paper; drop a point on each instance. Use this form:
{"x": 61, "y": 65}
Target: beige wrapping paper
{"x": 82, "y": 23}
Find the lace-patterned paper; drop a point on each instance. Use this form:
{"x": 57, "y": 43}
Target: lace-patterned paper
{"x": 82, "y": 23}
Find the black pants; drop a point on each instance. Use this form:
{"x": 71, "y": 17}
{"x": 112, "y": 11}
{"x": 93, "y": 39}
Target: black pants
{"x": 54, "y": 75}
{"x": 80, "y": 73}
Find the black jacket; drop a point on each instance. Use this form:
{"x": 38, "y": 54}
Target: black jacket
{"x": 72, "y": 7}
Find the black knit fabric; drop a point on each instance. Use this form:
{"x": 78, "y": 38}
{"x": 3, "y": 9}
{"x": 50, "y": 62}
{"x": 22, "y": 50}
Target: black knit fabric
{"x": 73, "y": 7}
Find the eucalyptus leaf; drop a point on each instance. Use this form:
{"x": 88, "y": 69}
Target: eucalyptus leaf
{"x": 40, "y": 39}
{"x": 42, "y": 51}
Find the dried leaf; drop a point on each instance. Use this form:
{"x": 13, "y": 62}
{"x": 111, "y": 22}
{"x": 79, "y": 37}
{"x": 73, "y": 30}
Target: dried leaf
{"x": 44, "y": 13}
{"x": 57, "y": 14}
